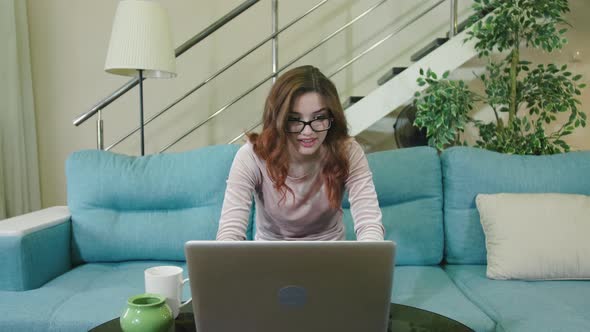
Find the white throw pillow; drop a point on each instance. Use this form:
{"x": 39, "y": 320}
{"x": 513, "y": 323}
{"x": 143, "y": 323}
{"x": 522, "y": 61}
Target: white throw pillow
{"x": 536, "y": 236}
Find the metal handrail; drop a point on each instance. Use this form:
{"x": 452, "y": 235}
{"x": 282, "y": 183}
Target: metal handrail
{"x": 222, "y": 109}
{"x": 178, "y": 51}
{"x": 360, "y": 55}
{"x": 219, "y": 72}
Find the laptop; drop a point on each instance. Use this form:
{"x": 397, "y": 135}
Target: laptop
{"x": 280, "y": 286}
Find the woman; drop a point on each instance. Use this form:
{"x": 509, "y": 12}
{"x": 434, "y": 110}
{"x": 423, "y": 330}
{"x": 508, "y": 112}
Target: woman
{"x": 298, "y": 167}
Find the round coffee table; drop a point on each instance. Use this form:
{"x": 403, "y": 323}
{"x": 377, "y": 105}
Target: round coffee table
{"x": 402, "y": 318}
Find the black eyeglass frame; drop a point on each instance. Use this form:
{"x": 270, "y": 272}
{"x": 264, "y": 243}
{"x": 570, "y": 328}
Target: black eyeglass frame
{"x": 308, "y": 123}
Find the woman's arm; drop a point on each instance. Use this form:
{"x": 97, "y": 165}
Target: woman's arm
{"x": 241, "y": 183}
{"x": 364, "y": 205}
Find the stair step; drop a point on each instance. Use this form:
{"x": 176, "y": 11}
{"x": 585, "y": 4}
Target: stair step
{"x": 350, "y": 101}
{"x": 390, "y": 74}
{"x": 428, "y": 48}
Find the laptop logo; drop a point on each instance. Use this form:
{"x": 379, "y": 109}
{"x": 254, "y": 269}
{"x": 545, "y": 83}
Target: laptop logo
{"x": 292, "y": 296}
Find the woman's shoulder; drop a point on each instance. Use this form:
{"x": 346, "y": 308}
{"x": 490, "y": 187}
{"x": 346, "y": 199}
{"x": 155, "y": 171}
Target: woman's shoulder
{"x": 246, "y": 153}
{"x": 353, "y": 147}
{"x": 247, "y": 147}
{"x": 353, "y": 144}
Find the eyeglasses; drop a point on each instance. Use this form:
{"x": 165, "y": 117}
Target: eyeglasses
{"x": 318, "y": 125}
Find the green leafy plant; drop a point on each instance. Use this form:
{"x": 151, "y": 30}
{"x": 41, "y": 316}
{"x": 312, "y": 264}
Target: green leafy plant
{"x": 532, "y": 96}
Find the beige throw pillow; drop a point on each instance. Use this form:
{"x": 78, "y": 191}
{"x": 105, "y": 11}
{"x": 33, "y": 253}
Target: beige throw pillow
{"x": 536, "y": 236}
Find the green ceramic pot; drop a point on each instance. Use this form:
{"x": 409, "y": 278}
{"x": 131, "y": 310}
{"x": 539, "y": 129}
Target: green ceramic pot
{"x": 146, "y": 313}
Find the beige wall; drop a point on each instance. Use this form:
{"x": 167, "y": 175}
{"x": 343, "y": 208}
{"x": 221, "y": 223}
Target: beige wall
{"x": 69, "y": 39}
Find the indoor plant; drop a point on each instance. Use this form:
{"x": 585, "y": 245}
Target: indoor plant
{"x": 531, "y": 96}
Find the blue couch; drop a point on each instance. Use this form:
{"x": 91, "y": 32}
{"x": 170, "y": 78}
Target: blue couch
{"x": 72, "y": 268}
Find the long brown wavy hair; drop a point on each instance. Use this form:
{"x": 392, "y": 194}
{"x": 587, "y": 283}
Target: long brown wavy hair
{"x": 270, "y": 144}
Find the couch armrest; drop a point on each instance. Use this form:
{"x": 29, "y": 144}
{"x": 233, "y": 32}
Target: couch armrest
{"x": 34, "y": 248}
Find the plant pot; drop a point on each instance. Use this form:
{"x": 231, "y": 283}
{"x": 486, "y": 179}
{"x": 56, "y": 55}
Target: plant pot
{"x": 146, "y": 313}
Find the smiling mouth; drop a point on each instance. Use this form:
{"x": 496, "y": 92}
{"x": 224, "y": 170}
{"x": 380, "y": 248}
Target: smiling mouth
{"x": 308, "y": 143}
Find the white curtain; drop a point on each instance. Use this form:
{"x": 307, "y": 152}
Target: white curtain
{"x": 19, "y": 167}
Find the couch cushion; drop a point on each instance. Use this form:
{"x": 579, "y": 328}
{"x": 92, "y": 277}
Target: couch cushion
{"x": 409, "y": 189}
{"x": 430, "y": 288}
{"x": 80, "y": 299}
{"x": 526, "y": 305}
{"x": 470, "y": 171}
{"x": 133, "y": 208}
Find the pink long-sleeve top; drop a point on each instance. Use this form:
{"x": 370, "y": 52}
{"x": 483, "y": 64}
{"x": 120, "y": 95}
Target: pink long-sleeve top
{"x": 307, "y": 215}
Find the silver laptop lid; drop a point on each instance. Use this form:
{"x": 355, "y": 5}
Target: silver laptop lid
{"x": 254, "y": 286}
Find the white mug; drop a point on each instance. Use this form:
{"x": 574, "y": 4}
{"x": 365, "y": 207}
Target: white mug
{"x": 167, "y": 281}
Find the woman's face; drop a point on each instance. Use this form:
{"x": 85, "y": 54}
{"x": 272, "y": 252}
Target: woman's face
{"x": 302, "y": 139}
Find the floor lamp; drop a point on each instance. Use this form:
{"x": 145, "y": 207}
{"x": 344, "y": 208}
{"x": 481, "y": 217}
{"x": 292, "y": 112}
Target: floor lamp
{"x": 141, "y": 45}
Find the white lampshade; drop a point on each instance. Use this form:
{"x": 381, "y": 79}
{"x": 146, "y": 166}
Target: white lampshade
{"x": 141, "y": 39}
